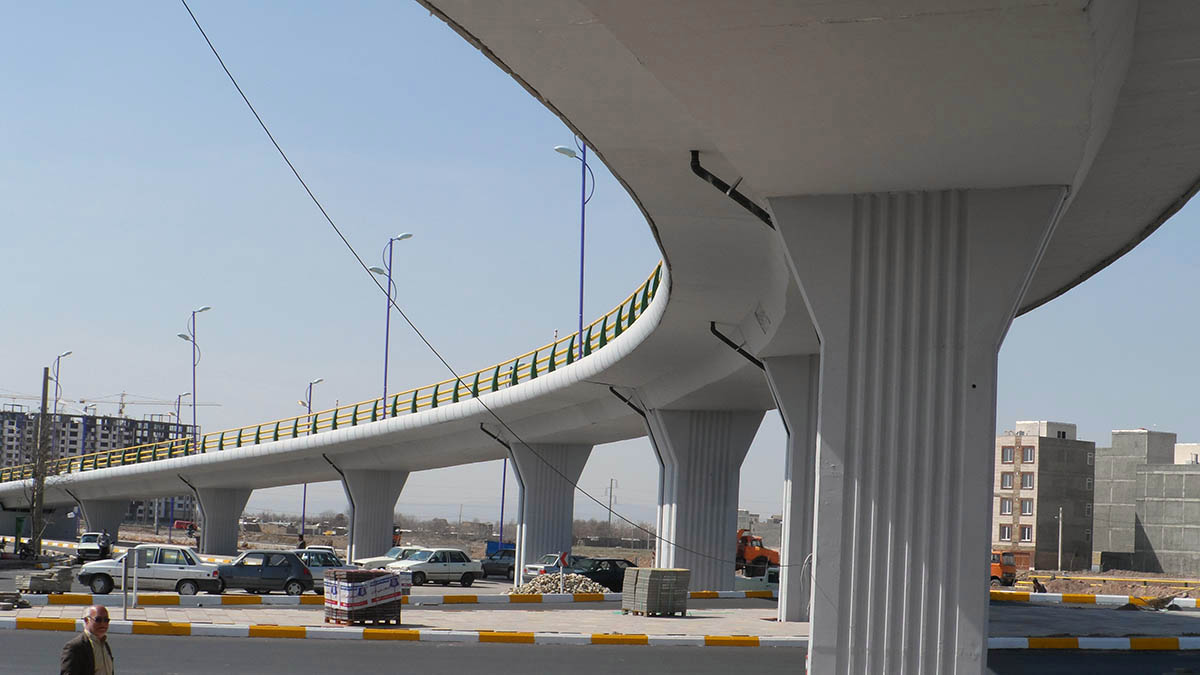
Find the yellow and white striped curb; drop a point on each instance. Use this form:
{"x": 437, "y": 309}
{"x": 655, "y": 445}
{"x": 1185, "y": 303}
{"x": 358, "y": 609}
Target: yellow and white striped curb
{"x": 401, "y": 634}
{"x": 70, "y": 545}
{"x": 1083, "y": 599}
{"x": 174, "y": 599}
{"x": 1158, "y": 644}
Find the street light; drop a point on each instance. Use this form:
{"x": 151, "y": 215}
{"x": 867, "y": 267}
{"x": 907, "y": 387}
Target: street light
{"x": 57, "y": 395}
{"x": 307, "y": 403}
{"x": 190, "y": 336}
{"x": 584, "y": 198}
{"x": 387, "y": 329}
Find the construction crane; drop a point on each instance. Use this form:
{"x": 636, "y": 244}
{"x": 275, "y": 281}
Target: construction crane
{"x": 101, "y": 400}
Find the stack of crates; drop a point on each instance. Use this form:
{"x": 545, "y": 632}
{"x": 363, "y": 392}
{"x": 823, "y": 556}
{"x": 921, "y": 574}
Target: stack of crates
{"x": 356, "y": 597}
{"x": 655, "y": 591}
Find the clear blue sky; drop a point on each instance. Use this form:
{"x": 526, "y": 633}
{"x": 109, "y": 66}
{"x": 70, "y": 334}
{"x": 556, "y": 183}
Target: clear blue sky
{"x": 135, "y": 186}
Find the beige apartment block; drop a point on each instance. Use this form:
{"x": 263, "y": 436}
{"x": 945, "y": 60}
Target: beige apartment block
{"x": 1041, "y": 467}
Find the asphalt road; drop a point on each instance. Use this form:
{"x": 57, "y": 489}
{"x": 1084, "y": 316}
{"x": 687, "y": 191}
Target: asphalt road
{"x": 38, "y": 652}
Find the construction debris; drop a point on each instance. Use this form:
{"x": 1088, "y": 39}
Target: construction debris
{"x": 53, "y": 580}
{"x": 549, "y": 583}
{"x": 10, "y": 601}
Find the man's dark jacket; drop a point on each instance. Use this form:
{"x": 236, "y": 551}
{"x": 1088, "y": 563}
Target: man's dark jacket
{"x": 77, "y": 657}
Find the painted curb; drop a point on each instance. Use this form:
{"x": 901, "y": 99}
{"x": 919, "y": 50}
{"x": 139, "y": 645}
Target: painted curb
{"x": 1083, "y": 599}
{"x": 175, "y": 600}
{"x": 400, "y": 634}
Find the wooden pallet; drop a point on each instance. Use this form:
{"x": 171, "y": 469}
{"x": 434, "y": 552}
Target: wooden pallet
{"x": 364, "y": 622}
{"x": 682, "y": 612}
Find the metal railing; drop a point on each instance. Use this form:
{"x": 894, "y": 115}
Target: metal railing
{"x": 523, "y": 368}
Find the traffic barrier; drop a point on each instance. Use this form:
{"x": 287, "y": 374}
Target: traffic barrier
{"x": 1156, "y": 643}
{"x": 173, "y": 599}
{"x": 1084, "y": 599}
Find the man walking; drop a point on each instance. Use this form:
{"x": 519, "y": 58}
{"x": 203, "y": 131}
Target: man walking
{"x": 89, "y": 653}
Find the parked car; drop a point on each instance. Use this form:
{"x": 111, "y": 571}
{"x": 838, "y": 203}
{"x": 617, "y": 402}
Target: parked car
{"x": 170, "y": 568}
{"x": 548, "y": 564}
{"x": 320, "y": 561}
{"x": 266, "y": 571}
{"x": 500, "y": 564}
{"x": 440, "y": 564}
{"x": 608, "y": 572}
{"x": 393, "y": 554}
{"x": 89, "y": 547}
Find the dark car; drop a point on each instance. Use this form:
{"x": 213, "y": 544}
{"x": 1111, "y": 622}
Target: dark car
{"x": 500, "y": 564}
{"x": 608, "y": 572}
{"x": 266, "y": 571}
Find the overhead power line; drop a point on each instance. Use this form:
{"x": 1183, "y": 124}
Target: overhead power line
{"x": 392, "y": 301}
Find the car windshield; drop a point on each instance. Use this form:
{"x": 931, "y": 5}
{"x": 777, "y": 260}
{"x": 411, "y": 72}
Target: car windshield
{"x": 89, "y": 538}
{"x": 549, "y": 559}
{"x": 394, "y": 552}
{"x": 586, "y": 564}
{"x": 420, "y": 556}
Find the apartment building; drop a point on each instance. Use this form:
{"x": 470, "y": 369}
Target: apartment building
{"x": 74, "y": 435}
{"x": 1043, "y": 472}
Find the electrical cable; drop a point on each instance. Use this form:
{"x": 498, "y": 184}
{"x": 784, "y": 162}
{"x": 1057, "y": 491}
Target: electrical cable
{"x": 392, "y": 302}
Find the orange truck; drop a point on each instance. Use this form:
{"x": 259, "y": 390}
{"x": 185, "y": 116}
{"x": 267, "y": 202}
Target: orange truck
{"x": 1004, "y": 568}
{"x": 752, "y": 556}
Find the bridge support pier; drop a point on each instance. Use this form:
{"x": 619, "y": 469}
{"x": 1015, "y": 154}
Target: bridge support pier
{"x": 700, "y": 453}
{"x": 104, "y": 514}
{"x": 547, "y": 474}
{"x": 795, "y": 381}
{"x": 911, "y": 294}
{"x": 221, "y": 509}
{"x": 374, "y": 494}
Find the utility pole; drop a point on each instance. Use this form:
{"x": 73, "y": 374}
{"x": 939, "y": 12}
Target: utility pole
{"x": 39, "y": 471}
{"x": 1060, "y": 538}
{"x": 612, "y": 484}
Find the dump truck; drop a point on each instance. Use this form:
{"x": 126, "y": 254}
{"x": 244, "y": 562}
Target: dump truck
{"x": 753, "y": 556}
{"x": 1004, "y": 568}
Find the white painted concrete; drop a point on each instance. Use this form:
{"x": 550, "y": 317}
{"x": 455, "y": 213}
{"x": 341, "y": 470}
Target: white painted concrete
{"x": 911, "y": 294}
{"x": 374, "y": 495}
{"x": 104, "y": 514}
{"x": 221, "y": 508}
{"x": 700, "y": 453}
{"x": 795, "y": 381}
{"x": 546, "y": 477}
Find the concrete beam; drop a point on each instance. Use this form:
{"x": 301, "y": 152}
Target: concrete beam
{"x": 221, "y": 509}
{"x": 546, "y": 475}
{"x": 700, "y": 453}
{"x": 795, "y": 381}
{"x": 911, "y": 294}
{"x": 373, "y": 494}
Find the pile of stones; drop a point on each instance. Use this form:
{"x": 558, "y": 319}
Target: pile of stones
{"x": 548, "y": 583}
{"x": 54, "y": 580}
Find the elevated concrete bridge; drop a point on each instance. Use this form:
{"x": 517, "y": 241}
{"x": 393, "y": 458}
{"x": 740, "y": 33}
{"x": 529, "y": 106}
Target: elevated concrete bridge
{"x": 861, "y": 196}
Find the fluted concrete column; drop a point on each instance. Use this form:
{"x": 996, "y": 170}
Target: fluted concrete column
{"x": 701, "y": 453}
{"x": 795, "y": 381}
{"x": 374, "y": 494}
{"x": 220, "y": 509}
{"x": 546, "y": 476}
{"x": 911, "y": 295}
{"x": 104, "y": 514}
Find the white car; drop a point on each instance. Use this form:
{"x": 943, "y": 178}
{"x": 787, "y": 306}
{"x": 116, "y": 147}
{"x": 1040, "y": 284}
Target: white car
{"x": 89, "y": 547}
{"x": 171, "y": 568}
{"x": 440, "y": 564}
{"x": 319, "y": 561}
{"x": 393, "y": 554}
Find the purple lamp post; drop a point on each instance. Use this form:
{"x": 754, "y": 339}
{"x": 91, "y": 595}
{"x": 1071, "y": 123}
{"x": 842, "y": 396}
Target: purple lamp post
{"x": 307, "y": 403}
{"x": 387, "y": 326}
{"x": 584, "y": 197}
{"x": 190, "y": 336}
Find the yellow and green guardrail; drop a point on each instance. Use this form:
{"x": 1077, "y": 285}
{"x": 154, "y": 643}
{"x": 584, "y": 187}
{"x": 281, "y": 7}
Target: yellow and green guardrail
{"x": 531, "y": 365}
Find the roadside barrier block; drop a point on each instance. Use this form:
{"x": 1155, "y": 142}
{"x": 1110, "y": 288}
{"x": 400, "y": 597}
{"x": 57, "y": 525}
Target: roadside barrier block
{"x": 730, "y": 640}
{"x": 620, "y": 639}
{"x": 278, "y": 631}
{"x": 508, "y": 637}
{"x": 160, "y": 628}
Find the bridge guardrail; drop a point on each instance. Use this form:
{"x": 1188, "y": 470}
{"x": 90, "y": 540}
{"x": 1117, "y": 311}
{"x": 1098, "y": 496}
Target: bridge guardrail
{"x": 527, "y": 366}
